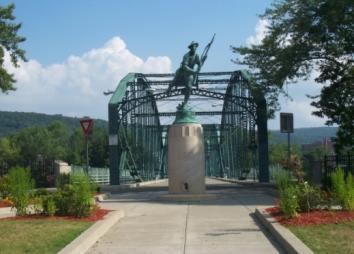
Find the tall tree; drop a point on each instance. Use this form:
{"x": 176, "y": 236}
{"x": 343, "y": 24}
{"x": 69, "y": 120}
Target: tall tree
{"x": 9, "y": 41}
{"x": 307, "y": 35}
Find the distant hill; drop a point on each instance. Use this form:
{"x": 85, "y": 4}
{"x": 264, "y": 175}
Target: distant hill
{"x": 304, "y": 135}
{"x": 12, "y": 122}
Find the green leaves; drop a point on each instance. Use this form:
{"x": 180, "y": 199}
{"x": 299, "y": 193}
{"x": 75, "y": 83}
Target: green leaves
{"x": 9, "y": 40}
{"x": 302, "y": 36}
{"x": 20, "y": 183}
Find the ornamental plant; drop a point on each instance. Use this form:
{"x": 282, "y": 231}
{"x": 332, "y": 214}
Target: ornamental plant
{"x": 282, "y": 180}
{"x": 343, "y": 189}
{"x": 20, "y": 184}
{"x": 309, "y": 197}
{"x": 76, "y": 197}
{"x": 4, "y": 187}
{"x": 289, "y": 202}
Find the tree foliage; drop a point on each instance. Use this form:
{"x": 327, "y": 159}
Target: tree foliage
{"x": 306, "y": 37}
{"x": 55, "y": 142}
{"x": 9, "y": 41}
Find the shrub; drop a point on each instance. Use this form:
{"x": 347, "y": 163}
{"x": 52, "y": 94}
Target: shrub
{"x": 4, "y": 186}
{"x": 343, "y": 190}
{"x": 282, "y": 180}
{"x": 309, "y": 197}
{"x": 294, "y": 165}
{"x": 49, "y": 207}
{"x": 348, "y": 202}
{"x": 61, "y": 180}
{"x": 20, "y": 183}
{"x": 289, "y": 201}
{"x": 43, "y": 202}
{"x": 76, "y": 198}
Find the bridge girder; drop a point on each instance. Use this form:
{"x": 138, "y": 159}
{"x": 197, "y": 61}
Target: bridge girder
{"x": 138, "y": 145}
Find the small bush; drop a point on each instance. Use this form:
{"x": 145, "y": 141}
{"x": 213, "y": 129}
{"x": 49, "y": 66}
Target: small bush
{"x": 309, "y": 197}
{"x": 282, "y": 180}
{"x": 343, "y": 190}
{"x": 49, "y": 207}
{"x": 61, "y": 180}
{"x": 4, "y": 186}
{"x": 20, "y": 183}
{"x": 76, "y": 198}
{"x": 348, "y": 201}
{"x": 43, "y": 202}
{"x": 294, "y": 165}
{"x": 289, "y": 201}
{"x": 41, "y": 192}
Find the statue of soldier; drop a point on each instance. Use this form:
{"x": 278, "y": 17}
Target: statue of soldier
{"x": 185, "y": 75}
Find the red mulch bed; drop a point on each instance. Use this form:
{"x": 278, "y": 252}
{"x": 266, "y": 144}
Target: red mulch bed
{"x": 98, "y": 214}
{"x": 4, "y": 204}
{"x": 312, "y": 218}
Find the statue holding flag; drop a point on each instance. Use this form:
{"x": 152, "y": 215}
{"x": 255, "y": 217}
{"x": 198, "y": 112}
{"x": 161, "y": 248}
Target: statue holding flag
{"x": 187, "y": 75}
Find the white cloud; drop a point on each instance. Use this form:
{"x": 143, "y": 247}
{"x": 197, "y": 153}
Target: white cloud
{"x": 300, "y": 105}
{"x": 261, "y": 31}
{"x": 75, "y": 87}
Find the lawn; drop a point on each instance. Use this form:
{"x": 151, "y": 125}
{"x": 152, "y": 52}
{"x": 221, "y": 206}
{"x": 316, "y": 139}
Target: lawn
{"x": 38, "y": 235}
{"x": 328, "y": 238}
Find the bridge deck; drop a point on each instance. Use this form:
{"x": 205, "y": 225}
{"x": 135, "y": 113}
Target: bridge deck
{"x": 223, "y": 225}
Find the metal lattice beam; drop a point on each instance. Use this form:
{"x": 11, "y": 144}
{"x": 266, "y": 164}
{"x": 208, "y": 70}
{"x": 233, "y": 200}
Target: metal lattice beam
{"x": 138, "y": 140}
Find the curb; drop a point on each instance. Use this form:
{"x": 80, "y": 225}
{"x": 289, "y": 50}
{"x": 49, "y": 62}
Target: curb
{"x": 290, "y": 243}
{"x": 88, "y": 238}
{"x": 109, "y": 188}
{"x": 6, "y": 212}
{"x": 245, "y": 183}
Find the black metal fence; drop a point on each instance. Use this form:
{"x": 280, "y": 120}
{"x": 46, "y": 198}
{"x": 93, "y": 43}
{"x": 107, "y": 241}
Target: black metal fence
{"x": 42, "y": 170}
{"x": 345, "y": 162}
{"x": 319, "y": 171}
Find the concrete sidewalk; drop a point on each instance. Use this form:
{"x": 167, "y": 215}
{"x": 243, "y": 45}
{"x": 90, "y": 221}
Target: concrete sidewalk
{"x": 223, "y": 225}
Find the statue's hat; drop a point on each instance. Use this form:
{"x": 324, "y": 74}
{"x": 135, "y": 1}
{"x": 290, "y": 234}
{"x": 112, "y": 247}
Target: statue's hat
{"x": 193, "y": 43}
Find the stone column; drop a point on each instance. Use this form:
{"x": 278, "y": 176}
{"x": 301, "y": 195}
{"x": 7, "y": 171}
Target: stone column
{"x": 186, "y": 162}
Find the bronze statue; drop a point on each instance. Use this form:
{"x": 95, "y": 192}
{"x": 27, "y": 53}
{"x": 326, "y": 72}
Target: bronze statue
{"x": 186, "y": 74}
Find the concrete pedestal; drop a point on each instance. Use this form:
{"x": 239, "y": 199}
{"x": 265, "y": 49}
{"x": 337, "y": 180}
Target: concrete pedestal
{"x": 186, "y": 163}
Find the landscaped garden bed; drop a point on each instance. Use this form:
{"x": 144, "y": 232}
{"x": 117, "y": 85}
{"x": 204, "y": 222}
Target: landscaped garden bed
{"x": 322, "y": 231}
{"x": 97, "y": 214}
{"x": 316, "y": 217}
{"x": 322, "y": 218}
{"x": 46, "y": 222}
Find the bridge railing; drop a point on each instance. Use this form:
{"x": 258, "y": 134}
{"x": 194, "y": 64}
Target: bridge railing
{"x": 98, "y": 175}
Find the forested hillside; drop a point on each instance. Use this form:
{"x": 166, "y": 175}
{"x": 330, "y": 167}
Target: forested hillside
{"x": 303, "y": 135}
{"x": 13, "y": 122}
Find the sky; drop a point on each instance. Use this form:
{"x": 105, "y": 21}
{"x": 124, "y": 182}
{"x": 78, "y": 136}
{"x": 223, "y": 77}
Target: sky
{"x": 78, "y": 49}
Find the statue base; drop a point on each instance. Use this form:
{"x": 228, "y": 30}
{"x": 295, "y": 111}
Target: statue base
{"x": 186, "y": 162}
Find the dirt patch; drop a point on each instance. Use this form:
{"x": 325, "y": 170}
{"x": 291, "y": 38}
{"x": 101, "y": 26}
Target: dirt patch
{"x": 312, "y": 218}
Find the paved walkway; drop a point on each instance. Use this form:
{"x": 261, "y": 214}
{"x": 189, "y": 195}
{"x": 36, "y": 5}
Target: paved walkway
{"x": 224, "y": 225}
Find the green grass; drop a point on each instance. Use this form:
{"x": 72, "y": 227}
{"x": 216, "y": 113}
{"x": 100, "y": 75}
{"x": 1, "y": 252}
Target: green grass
{"x": 330, "y": 238}
{"x": 38, "y": 236}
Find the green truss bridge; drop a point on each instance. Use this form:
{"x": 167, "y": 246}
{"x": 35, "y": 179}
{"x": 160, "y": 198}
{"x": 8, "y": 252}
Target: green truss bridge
{"x": 229, "y": 105}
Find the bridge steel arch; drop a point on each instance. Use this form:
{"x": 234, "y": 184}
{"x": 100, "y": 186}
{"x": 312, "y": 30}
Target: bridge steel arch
{"x": 137, "y": 140}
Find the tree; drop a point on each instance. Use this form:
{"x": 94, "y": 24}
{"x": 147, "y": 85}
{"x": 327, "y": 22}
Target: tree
{"x": 9, "y": 41}
{"x": 98, "y": 147}
{"x": 307, "y": 35}
{"x": 7, "y": 150}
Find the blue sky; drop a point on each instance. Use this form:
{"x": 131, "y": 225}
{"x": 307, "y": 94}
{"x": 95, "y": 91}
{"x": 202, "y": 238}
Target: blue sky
{"x": 68, "y": 42}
